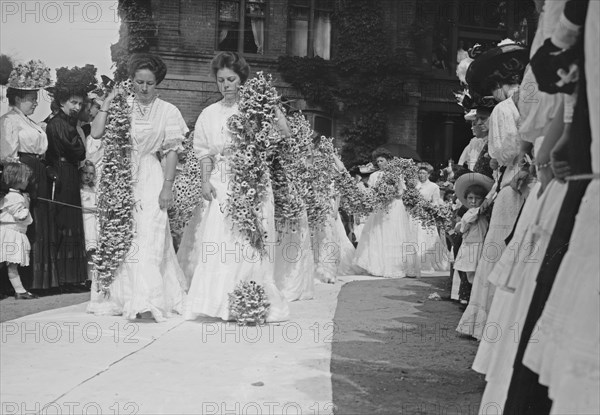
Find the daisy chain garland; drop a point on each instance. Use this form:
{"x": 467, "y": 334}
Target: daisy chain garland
{"x": 115, "y": 196}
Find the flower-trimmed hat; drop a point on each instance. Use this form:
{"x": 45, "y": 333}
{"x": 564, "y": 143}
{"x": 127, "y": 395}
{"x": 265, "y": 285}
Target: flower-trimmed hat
{"x": 468, "y": 179}
{"x": 507, "y": 57}
{"x": 30, "y": 76}
{"x": 73, "y": 82}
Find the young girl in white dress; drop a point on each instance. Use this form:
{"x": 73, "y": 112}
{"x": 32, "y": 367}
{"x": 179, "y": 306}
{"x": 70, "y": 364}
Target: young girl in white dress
{"x": 14, "y": 220}
{"x": 89, "y": 207}
{"x": 388, "y": 244}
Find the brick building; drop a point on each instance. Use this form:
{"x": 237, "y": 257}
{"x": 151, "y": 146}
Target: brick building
{"x": 433, "y": 34}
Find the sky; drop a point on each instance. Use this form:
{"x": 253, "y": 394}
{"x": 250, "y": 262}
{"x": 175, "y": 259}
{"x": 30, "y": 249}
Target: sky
{"x": 59, "y": 33}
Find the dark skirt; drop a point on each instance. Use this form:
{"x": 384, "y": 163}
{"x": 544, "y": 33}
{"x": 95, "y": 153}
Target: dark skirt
{"x": 71, "y": 262}
{"x": 41, "y": 273}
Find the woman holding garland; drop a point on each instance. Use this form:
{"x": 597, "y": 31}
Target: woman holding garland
{"x": 220, "y": 258}
{"x": 22, "y": 138}
{"x": 388, "y": 244}
{"x": 149, "y": 283}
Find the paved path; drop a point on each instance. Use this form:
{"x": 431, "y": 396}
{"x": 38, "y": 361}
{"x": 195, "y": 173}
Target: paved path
{"x": 66, "y": 361}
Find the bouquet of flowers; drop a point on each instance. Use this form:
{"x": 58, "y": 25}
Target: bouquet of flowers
{"x": 31, "y": 75}
{"x": 254, "y": 141}
{"x": 115, "y": 196}
{"x": 248, "y": 304}
{"x": 398, "y": 178}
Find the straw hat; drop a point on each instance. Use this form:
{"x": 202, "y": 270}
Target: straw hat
{"x": 469, "y": 179}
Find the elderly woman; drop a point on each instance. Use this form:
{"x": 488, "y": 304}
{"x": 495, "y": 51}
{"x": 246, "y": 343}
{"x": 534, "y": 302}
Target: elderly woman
{"x": 497, "y": 72}
{"x": 215, "y": 273}
{"x": 22, "y": 138}
{"x": 152, "y": 284}
{"x": 388, "y": 244}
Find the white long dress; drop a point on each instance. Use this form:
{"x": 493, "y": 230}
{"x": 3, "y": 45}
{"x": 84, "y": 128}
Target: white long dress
{"x": 295, "y": 263}
{"x": 433, "y": 251}
{"x": 503, "y": 144}
{"x": 149, "y": 279}
{"x": 334, "y": 253}
{"x": 220, "y": 259}
{"x": 567, "y": 354}
{"x": 388, "y": 244}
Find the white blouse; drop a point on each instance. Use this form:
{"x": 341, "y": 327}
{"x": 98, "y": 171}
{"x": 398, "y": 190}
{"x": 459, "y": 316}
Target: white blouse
{"x": 18, "y": 133}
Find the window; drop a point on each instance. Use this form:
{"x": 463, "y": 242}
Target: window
{"x": 310, "y": 28}
{"x": 242, "y": 26}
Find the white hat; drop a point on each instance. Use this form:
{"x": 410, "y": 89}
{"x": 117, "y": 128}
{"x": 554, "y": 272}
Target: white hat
{"x": 471, "y": 115}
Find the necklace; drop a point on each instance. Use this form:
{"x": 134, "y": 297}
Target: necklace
{"x": 144, "y": 109}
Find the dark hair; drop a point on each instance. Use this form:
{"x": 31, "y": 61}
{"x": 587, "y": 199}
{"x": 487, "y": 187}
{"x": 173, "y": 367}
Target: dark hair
{"x": 233, "y": 61}
{"x": 508, "y": 73}
{"x": 381, "y": 152}
{"x": 477, "y": 190}
{"x": 153, "y": 63}
{"x": 12, "y": 94}
{"x": 15, "y": 173}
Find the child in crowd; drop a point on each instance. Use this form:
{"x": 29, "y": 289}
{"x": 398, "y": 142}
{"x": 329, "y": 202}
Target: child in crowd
{"x": 473, "y": 226}
{"x": 88, "y": 204}
{"x": 14, "y": 220}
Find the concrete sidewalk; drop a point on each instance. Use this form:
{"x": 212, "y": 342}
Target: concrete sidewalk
{"x": 67, "y": 361}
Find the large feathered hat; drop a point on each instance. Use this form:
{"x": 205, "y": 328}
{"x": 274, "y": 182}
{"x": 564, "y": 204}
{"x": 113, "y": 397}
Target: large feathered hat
{"x": 73, "y": 82}
{"x": 507, "y": 60}
{"x": 29, "y": 76}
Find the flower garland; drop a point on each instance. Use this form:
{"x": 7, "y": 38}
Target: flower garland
{"x": 248, "y": 304}
{"x": 31, "y": 75}
{"x": 253, "y": 145}
{"x": 321, "y": 191}
{"x": 291, "y": 175}
{"x": 115, "y": 196}
{"x": 186, "y": 189}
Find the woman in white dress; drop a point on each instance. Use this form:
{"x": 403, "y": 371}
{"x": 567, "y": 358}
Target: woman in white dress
{"x": 151, "y": 281}
{"x": 388, "y": 244}
{"x": 220, "y": 259}
{"x": 432, "y": 249}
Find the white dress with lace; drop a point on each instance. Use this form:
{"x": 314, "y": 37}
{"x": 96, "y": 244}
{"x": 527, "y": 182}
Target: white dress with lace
{"x": 220, "y": 259}
{"x": 433, "y": 251}
{"x": 149, "y": 279}
{"x": 388, "y": 244}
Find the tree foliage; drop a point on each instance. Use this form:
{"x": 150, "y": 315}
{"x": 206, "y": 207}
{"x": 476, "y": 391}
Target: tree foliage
{"x": 136, "y": 34}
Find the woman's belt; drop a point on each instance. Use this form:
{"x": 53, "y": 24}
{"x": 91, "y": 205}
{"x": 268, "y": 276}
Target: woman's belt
{"x": 37, "y": 156}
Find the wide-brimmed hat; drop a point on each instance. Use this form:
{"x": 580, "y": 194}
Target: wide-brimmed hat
{"x": 468, "y": 179}
{"x": 503, "y": 55}
{"x": 30, "y": 76}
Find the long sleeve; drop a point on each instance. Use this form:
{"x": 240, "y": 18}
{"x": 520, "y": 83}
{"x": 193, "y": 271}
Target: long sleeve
{"x": 64, "y": 141}
{"x": 17, "y": 205}
{"x": 9, "y": 138}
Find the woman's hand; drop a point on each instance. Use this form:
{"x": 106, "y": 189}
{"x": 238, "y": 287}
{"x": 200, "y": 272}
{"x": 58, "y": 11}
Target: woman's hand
{"x": 519, "y": 181}
{"x": 165, "y": 199}
{"x": 208, "y": 191}
{"x": 494, "y": 164}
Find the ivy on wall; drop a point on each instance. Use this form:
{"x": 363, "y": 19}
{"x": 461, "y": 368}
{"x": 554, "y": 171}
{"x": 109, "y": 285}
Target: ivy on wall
{"x": 136, "y": 34}
{"x": 362, "y": 81}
